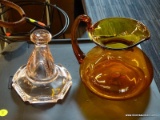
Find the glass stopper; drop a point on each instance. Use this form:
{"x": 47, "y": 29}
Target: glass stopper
{"x": 41, "y": 80}
{"x": 40, "y": 66}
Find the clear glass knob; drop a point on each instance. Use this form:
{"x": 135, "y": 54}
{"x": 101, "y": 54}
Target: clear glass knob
{"x": 41, "y": 81}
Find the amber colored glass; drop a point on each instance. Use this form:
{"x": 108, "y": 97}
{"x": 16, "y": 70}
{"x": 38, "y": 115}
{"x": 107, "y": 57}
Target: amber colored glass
{"x": 115, "y": 69}
{"x": 116, "y": 74}
{"x": 118, "y": 33}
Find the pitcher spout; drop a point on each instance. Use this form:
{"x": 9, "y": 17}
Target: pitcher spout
{"x": 119, "y": 33}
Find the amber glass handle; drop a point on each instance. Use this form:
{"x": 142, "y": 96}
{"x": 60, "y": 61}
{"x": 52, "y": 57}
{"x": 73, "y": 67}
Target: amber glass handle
{"x": 77, "y": 51}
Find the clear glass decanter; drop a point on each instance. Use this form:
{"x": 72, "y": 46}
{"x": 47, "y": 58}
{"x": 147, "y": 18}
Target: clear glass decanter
{"x": 41, "y": 81}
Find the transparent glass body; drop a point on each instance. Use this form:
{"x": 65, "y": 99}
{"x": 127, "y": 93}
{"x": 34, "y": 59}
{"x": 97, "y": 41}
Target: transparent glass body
{"x": 115, "y": 69}
{"x": 118, "y": 74}
{"x": 41, "y": 81}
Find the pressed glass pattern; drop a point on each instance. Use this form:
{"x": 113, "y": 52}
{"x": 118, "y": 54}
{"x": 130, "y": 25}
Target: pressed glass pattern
{"x": 41, "y": 81}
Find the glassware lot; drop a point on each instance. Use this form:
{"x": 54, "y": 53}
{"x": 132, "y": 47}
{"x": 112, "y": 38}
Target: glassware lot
{"x": 79, "y": 104}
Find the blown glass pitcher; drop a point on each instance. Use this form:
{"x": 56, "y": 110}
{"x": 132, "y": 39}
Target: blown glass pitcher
{"x": 116, "y": 68}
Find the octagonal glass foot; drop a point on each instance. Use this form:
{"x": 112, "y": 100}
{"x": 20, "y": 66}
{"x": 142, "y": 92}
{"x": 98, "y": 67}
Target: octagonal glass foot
{"x": 42, "y": 93}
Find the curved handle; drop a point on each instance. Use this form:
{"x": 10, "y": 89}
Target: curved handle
{"x": 20, "y": 11}
{"x": 77, "y": 51}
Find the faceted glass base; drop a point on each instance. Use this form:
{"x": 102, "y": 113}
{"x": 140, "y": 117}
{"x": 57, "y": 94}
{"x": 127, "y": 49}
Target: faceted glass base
{"x": 49, "y": 92}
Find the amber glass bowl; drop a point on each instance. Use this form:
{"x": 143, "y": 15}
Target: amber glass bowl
{"x": 116, "y": 74}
